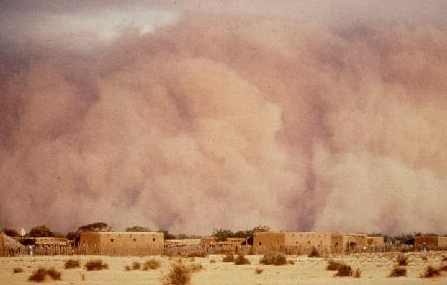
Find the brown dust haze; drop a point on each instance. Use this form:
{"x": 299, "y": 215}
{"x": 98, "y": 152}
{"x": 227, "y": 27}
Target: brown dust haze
{"x": 226, "y": 115}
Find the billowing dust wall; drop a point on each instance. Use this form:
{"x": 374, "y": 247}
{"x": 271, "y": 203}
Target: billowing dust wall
{"x": 264, "y": 111}
{"x": 126, "y": 243}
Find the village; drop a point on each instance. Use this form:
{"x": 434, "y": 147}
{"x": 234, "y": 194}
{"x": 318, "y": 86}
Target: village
{"x": 96, "y": 254}
{"x": 148, "y": 243}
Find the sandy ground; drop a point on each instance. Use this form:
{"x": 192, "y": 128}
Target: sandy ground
{"x": 374, "y": 268}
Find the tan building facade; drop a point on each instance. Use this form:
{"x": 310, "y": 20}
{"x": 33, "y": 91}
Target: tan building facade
{"x": 375, "y": 242}
{"x": 122, "y": 243}
{"x": 2, "y": 245}
{"x": 297, "y": 242}
{"x": 442, "y": 242}
{"x": 354, "y": 242}
{"x": 427, "y": 241}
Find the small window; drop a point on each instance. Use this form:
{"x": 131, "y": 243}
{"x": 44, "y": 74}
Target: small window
{"x": 260, "y": 243}
{"x": 111, "y": 240}
{"x": 134, "y": 239}
{"x": 153, "y": 239}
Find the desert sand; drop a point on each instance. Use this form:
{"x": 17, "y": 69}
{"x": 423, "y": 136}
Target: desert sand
{"x": 374, "y": 270}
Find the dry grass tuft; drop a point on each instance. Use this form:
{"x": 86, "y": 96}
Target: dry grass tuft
{"x": 198, "y": 254}
{"x": 241, "y": 260}
{"x": 357, "y": 273}
{"x": 398, "y": 272}
{"x": 178, "y": 275}
{"x": 96, "y": 265}
{"x": 17, "y": 270}
{"x": 72, "y": 263}
{"x": 54, "y": 274}
{"x": 195, "y": 267}
{"x": 40, "y": 275}
{"x": 430, "y": 272}
{"x": 136, "y": 265}
{"x": 212, "y": 261}
{"x": 333, "y": 265}
{"x": 151, "y": 264}
{"x": 291, "y": 262}
{"x": 344, "y": 270}
{"x": 259, "y": 270}
{"x": 402, "y": 260}
{"x": 314, "y": 252}
{"x": 273, "y": 259}
{"x": 228, "y": 258}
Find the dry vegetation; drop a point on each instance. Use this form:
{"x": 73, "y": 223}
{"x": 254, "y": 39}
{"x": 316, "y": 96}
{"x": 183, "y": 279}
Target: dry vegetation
{"x": 228, "y": 258}
{"x": 402, "y": 260}
{"x": 398, "y": 272}
{"x": 195, "y": 267}
{"x": 151, "y": 264}
{"x": 333, "y": 265}
{"x": 198, "y": 254}
{"x": 241, "y": 260}
{"x": 344, "y": 270}
{"x": 431, "y": 272}
{"x": 41, "y": 274}
{"x": 314, "y": 252}
{"x": 273, "y": 259}
{"x": 179, "y": 274}
{"x": 72, "y": 263}
{"x": 96, "y": 265}
{"x": 17, "y": 270}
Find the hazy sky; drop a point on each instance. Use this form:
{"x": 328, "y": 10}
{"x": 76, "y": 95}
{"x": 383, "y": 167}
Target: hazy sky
{"x": 194, "y": 115}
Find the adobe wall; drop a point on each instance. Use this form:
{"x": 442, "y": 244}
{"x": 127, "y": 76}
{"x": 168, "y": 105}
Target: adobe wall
{"x": 426, "y": 241}
{"x": 304, "y": 242}
{"x": 442, "y": 242}
{"x": 354, "y": 242}
{"x": 2, "y": 245}
{"x": 264, "y": 242}
{"x": 377, "y": 242}
{"x": 123, "y": 243}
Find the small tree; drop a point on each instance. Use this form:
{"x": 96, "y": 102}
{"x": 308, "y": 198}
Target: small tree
{"x": 137, "y": 229}
{"x": 11, "y": 232}
{"x": 95, "y": 227}
{"x": 222, "y": 235}
{"x": 41, "y": 231}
